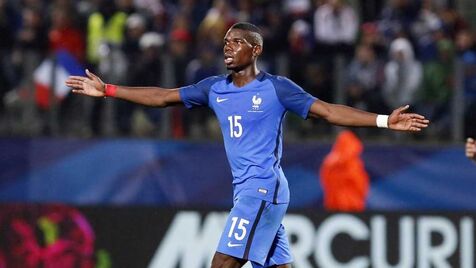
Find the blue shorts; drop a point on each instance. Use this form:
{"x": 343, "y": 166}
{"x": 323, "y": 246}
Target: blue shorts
{"x": 254, "y": 232}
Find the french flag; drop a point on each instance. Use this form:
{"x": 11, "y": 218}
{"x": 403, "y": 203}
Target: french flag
{"x": 63, "y": 64}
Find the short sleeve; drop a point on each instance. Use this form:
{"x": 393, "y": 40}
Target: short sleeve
{"x": 292, "y": 96}
{"x": 197, "y": 94}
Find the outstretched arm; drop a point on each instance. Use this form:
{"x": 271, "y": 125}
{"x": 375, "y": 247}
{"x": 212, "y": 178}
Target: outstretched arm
{"x": 343, "y": 115}
{"x": 470, "y": 149}
{"x": 93, "y": 86}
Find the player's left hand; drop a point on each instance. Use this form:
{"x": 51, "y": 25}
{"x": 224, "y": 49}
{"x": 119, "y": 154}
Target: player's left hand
{"x": 399, "y": 120}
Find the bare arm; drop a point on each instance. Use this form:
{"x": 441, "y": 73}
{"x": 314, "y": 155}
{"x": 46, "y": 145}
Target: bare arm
{"x": 470, "y": 149}
{"x": 93, "y": 86}
{"x": 343, "y": 115}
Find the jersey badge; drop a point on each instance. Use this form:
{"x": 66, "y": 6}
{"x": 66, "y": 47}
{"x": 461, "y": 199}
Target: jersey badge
{"x": 256, "y": 104}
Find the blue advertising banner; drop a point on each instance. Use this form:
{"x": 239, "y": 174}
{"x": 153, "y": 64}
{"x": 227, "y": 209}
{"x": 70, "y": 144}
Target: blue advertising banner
{"x": 188, "y": 174}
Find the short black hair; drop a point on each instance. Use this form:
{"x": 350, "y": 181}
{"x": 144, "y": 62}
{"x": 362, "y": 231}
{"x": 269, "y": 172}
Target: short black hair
{"x": 255, "y": 32}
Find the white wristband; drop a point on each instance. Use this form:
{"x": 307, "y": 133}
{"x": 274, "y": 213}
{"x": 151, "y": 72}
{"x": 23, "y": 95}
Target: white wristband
{"x": 382, "y": 121}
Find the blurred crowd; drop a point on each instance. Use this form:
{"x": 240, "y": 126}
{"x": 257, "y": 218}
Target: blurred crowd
{"x": 371, "y": 54}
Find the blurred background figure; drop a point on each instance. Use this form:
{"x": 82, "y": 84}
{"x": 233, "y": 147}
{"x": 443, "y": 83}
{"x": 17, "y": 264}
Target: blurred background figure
{"x": 365, "y": 79}
{"x": 437, "y": 89}
{"x": 134, "y": 31}
{"x": 335, "y": 27}
{"x": 144, "y": 70}
{"x": 205, "y": 65}
{"x": 397, "y": 18}
{"x": 274, "y": 31}
{"x": 344, "y": 180}
{"x": 466, "y": 49}
{"x": 300, "y": 49}
{"x": 65, "y": 35}
{"x": 30, "y": 47}
{"x": 9, "y": 24}
{"x": 105, "y": 35}
{"x": 218, "y": 19}
{"x": 371, "y": 36}
{"x": 403, "y": 75}
{"x": 180, "y": 52}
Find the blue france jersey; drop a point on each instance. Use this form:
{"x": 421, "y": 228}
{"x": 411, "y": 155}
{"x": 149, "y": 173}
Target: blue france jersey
{"x": 251, "y": 120}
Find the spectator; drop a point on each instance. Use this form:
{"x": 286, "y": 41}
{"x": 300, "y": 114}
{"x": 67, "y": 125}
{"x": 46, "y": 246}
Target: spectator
{"x": 370, "y": 36}
{"x": 466, "y": 47}
{"x": 370, "y": 9}
{"x": 180, "y": 52}
{"x": 9, "y": 21}
{"x": 318, "y": 83}
{"x": 194, "y": 10}
{"x": 155, "y": 7}
{"x": 146, "y": 70}
{"x": 364, "y": 81}
{"x": 31, "y": 41}
{"x": 205, "y": 65}
{"x": 30, "y": 47}
{"x": 135, "y": 28}
{"x": 126, "y": 6}
{"x": 403, "y": 75}
{"x": 159, "y": 12}
{"x": 217, "y": 21}
{"x": 105, "y": 35}
{"x": 397, "y": 19}
{"x": 297, "y": 9}
{"x": 105, "y": 26}
{"x": 273, "y": 29}
{"x": 335, "y": 28}
{"x": 427, "y": 30}
{"x": 300, "y": 45}
{"x": 180, "y": 47}
{"x": 245, "y": 10}
{"x": 452, "y": 21}
{"x": 64, "y": 35}
{"x": 437, "y": 89}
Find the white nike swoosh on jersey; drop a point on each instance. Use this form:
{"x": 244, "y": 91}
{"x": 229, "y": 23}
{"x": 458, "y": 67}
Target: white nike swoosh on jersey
{"x": 220, "y": 100}
{"x": 231, "y": 245}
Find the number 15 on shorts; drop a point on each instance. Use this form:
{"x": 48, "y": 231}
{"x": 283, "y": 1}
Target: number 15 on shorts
{"x": 238, "y": 231}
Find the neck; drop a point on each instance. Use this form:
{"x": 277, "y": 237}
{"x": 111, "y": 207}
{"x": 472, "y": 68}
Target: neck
{"x": 244, "y": 76}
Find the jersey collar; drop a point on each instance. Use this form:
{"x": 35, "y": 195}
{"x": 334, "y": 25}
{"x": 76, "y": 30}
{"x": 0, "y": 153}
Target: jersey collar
{"x": 259, "y": 77}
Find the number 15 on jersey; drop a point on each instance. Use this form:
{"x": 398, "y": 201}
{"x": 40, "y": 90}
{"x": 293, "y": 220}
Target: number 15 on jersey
{"x": 236, "y": 129}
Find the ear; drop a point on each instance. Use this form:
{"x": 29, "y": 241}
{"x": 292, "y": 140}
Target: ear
{"x": 257, "y": 50}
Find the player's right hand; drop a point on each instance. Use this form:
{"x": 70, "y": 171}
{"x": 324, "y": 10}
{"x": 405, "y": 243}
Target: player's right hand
{"x": 91, "y": 85}
{"x": 470, "y": 148}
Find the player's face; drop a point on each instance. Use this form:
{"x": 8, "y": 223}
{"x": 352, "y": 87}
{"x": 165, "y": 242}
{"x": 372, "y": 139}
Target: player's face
{"x": 237, "y": 50}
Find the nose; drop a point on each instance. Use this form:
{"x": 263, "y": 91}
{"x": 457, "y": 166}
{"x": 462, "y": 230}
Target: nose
{"x": 227, "y": 48}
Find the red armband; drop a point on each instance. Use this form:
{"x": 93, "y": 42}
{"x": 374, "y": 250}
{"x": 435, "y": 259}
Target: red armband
{"x": 110, "y": 90}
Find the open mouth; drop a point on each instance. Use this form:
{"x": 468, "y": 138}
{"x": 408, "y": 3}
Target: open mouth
{"x": 228, "y": 59}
